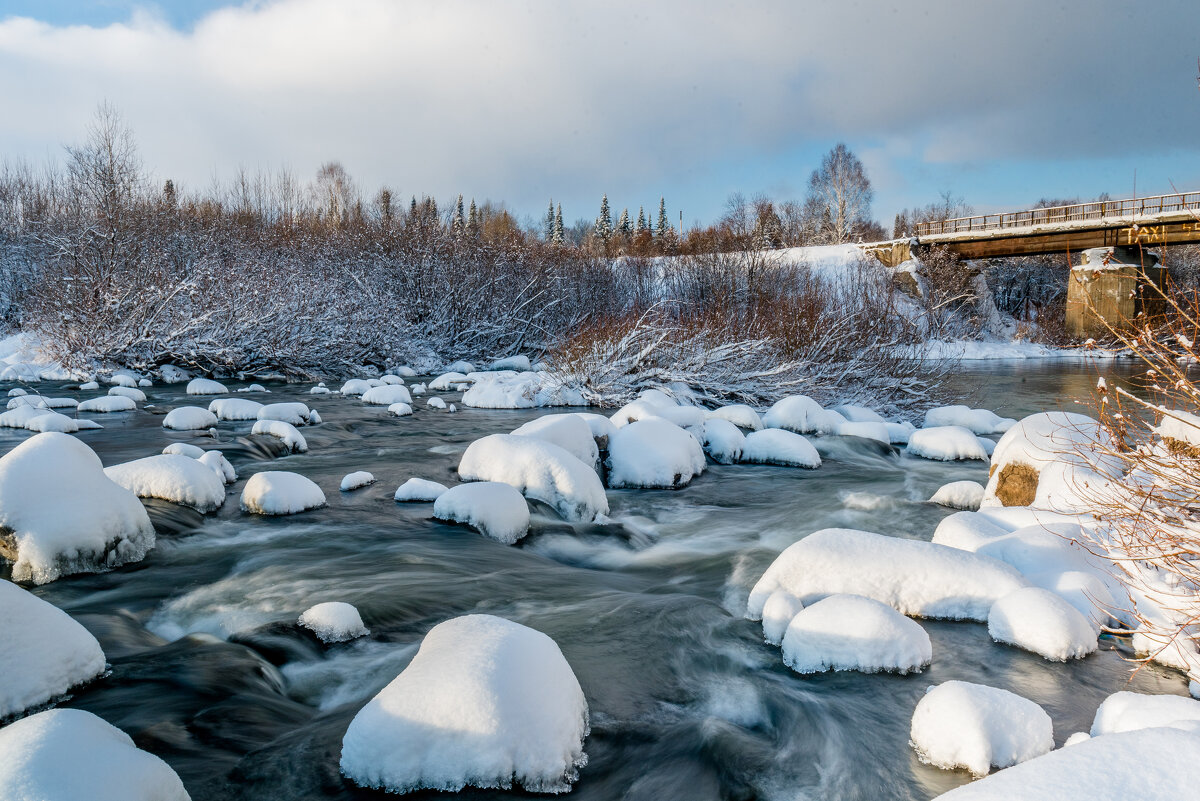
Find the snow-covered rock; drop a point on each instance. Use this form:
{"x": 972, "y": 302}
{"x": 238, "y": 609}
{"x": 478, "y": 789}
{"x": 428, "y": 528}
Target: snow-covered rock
{"x": 294, "y": 414}
{"x": 278, "y": 492}
{"x": 320, "y": 389}
{"x": 653, "y": 453}
{"x": 485, "y": 702}
{"x": 16, "y": 392}
{"x": 460, "y": 366}
{"x": 418, "y": 389}
{"x": 145, "y": 382}
{"x": 107, "y": 404}
{"x": 355, "y": 386}
{"x": 235, "y": 409}
{"x": 400, "y": 409}
{"x": 203, "y": 386}
{"x": 779, "y": 610}
{"x": 216, "y": 461}
{"x": 916, "y": 578}
{"x": 284, "y": 431}
{"x": 495, "y": 509}
{"x": 173, "y": 374}
{"x": 435, "y": 403}
{"x": 959, "y": 495}
{"x": 1040, "y": 621}
{"x": 519, "y": 363}
{"x": 569, "y": 432}
{"x": 801, "y": 414}
{"x": 505, "y": 390}
{"x": 60, "y": 514}
{"x": 446, "y": 381}
{"x": 71, "y": 755}
{"x": 739, "y": 414}
{"x": 387, "y": 395}
{"x": 356, "y": 480}
{"x": 123, "y": 380}
{"x": 602, "y": 428}
{"x": 899, "y": 433}
{"x": 405, "y": 371}
{"x": 128, "y": 392}
{"x": 171, "y": 477}
{"x": 979, "y": 421}
{"x": 49, "y": 421}
{"x": 19, "y": 417}
{"x": 858, "y": 414}
{"x": 777, "y": 446}
{"x": 1128, "y": 711}
{"x": 963, "y": 725}
{"x": 334, "y": 621}
{"x": 865, "y": 429}
{"x": 184, "y": 449}
{"x": 419, "y": 490}
{"x": 946, "y": 443}
{"x": 850, "y": 632}
{"x": 255, "y": 388}
{"x": 189, "y": 418}
{"x": 540, "y": 470}
{"x": 391, "y": 379}
{"x": 45, "y": 653}
{"x": 723, "y": 441}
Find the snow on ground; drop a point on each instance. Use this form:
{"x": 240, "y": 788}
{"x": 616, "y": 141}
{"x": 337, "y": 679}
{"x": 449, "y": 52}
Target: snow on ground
{"x": 294, "y": 414}
{"x": 400, "y": 410}
{"x": 64, "y": 514}
{"x": 206, "y": 386}
{"x": 174, "y": 478}
{"x": 1150, "y": 765}
{"x": 723, "y": 441}
{"x": 106, "y": 404}
{"x": 849, "y": 632}
{"x": 963, "y": 725}
{"x": 495, "y": 509}
{"x": 506, "y": 390}
{"x": 128, "y": 392}
{"x": 653, "y": 453}
{"x": 914, "y": 577}
{"x": 569, "y": 432}
{"x": 1043, "y": 622}
{"x": 739, "y": 414}
{"x": 979, "y": 421}
{"x": 965, "y": 495}
{"x": 386, "y": 395}
{"x": 1128, "y": 711}
{"x": 235, "y": 409}
{"x": 46, "y": 652}
{"x": 946, "y": 444}
{"x": 540, "y": 470}
{"x": 70, "y": 755}
{"x": 356, "y": 480}
{"x": 779, "y": 447}
{"x": 284, "y": 431}
{"x": 22, "y": 358}
{"x": 278, "y": 492}
{"x": 802, "y": 415}
{"x": 419, "y": 490}
{"x": 189, "y": 418}
{"x": 334, "y": 621}
{"x": 485, "y": 702}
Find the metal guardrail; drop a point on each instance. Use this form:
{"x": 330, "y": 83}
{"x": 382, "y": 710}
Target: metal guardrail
{"x": 1080, "y": 212}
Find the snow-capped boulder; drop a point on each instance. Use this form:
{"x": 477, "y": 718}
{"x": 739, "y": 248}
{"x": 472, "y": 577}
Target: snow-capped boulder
{"x": 1047, "y": 460}
{"x": 959, "y": 495}
{"x": 294, "y": 414}
{"x": 404, "y": 371}
{"x": 391, "y": 379}
{"x": 355, "y": 386}
{"x": 865, "y": 429}
{"x": 899, "y": 433}
{"x": 519, "y": 363}
{"x": 320, "y": 389}
{"x": 1040, "y": 621}
{"x": 60, "y": 514}
{"x": 171, "y": 477}
{"x": 569, "y": 432}
{"x": 255, "y": 388}
{"x": 235, "y": 409}
{"x": 914, "y": 577}
{"x": 946, "y": 444}
{"x": 184, "y": 449}
{"x": 435, "y": 403}
{"x": 602, "y": 427}
{"x": 780, "y": 447}
{"x": 485, "y": 702}
{"x": 539, "y": 470}
{"x": 334, "y": 621}
{"x": 286, "y": 432}
{"x": 1128, "y": 711}
{"x": 723, "y": 441}
{"x": 779, "y": 610}
{"x": 278, "y": 492}
{"x": 858, "y": 414}
{"x": 419, "y": 490}
{"x": 189, "y": 418}
{"x": 356, "y": 480}
{"x": 46, "y": 652}
{"x": 70, "y": 755}
{"x": 387, "y": 395}
{"x": 979, "y": 421}
{"x": 216, "y": 461}
{"x": 128, "y": 392}
{"x": 446, "y": 381}
{"x": 400, "y": 410}
{"x": 173, "y": 374}
{"x": 493, "y": 508}
{"x": 204, "y": 386}
{"x": 49, "y": 421}
{"x": 505, "y": 390}
{"x": 739, "y": 414}
{"x": 123, "y": 380}
{"x": 963, "y": 725}
{"x": 653, "y": 453}
{"x": 801, "y": 414}
{"x": 849, "y": 632}
{"x": 460, "y": 366}
{"x": 106, "y": 404}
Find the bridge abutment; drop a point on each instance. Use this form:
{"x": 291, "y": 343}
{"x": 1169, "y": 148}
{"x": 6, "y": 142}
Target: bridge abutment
{"x": 1111, "y": 288}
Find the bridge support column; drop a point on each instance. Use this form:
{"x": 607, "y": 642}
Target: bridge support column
{"x": 1110, "y": 287}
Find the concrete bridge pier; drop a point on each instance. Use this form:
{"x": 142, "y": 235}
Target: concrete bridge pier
{"x": 1113, "y": 285}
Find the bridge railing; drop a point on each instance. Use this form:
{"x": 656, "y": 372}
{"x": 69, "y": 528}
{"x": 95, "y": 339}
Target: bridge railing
{"x": 1079, "y": 212}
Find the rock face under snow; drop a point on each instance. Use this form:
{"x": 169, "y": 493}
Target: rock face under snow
{"x": 493, "y": 508}
{"x": 1041, "y": 621}
{"x": 963, "y": 725}
{"x": 204, "y": 386}
{"x": 284, "y": 431}
{"x": 485, "y": 702}
{"x": 780, "y": 447}
{"x": 70, "y": 755}
{"x": 278, "y": 492}
{"x": 356, "y": 480}
{"x": 171, "y": 477}
{"x": 914, "y": 577}
{"x": 419, "y": 489}
{"x": 1127, "y": 711}
{"x": 653, "y": 453}
{"x": 334, "y": 621}
{"x": 965, "y": 495}
{"x": 189, "y": 418}
{"x": 45, "y": 652}
{"x": 849, "y": 632}
{"x": 946, "y": 444}
{"x": 60, "y": 514}
{"x": 538, "y": 469}
{"x": 569, "y": 432}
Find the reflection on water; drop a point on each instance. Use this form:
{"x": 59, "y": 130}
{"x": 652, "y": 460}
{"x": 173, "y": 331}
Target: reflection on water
{"x": 687, "y": 702}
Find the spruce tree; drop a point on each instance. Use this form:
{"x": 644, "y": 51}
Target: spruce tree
{"x": 458, "y": 222}
{"x": 473, "y": 221}
{"x": 641, "y": 223}
{"x": 604, "y": 222}
{"x": 550, "y": 222}
{"x": 559, "y": 234}
{"x": 623, "y": 223}
{"x": 664, "y": 225}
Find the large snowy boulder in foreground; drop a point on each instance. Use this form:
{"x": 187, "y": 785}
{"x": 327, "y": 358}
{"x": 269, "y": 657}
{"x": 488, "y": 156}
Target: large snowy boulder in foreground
{"x": 334, "y": 621}
{"x": 1050, "y": 460}
{"x": 979, "y": 421}
{"x": 653, "y": 453}
{"x": 801, "y": 414}
{"x": 946, "y": 444}
{"x": 963, "y": 725}
{"x": 205, "y": 386}
{"x": 60, "y": 514}
{"x": 1148, "y": 765}
{"x": 849, "y": 632}
{"x": 493, "y": 508}
{"x": 235, "y": 409}
{"x": 1127, "y": 711}
{"x": 387, "y": 394}
{"x": 485, "y": 702}
{"x": 71, "y": 755}
{"x": 780, "y": 447}
{"x": 540, "y": 470}
{"x": 914, "y": 577}
{"x": 172, "y": 477}
{"x": 44, "y": 654}
{"x": 569, "y": 432}
{"x": 1043, "y": 622}
{"x": 278, "y": 492}
{"x": 189, "y": 418}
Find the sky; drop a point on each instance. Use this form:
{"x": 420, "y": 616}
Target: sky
{"x": 523, "y": 102}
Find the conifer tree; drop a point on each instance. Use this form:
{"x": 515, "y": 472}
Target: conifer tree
{"x": 664, "y": 225}
{"x": 604, "y": 222}
{"x": 641, "y": 223}
{"x": 559, "y": 234}
{"x": 550, "y": 222}
{"x": 473, "y": 221}
{"x": 412, "y": 210}
{"x": 623, "y": 223}
{"x": 458, "y": 222}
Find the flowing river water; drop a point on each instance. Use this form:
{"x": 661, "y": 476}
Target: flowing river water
{"x": 210, "y": 672}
